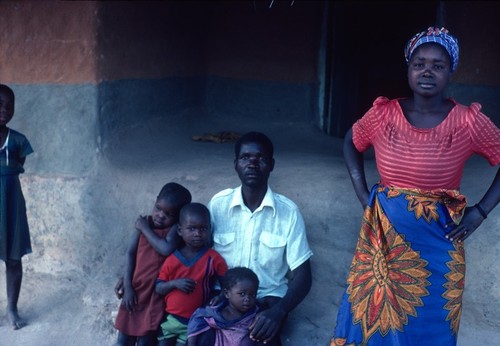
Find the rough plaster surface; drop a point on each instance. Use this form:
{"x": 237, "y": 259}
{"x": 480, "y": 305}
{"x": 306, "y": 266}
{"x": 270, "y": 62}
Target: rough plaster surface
{"x": 81, "y": 226}
{"x": 48, "y": 42}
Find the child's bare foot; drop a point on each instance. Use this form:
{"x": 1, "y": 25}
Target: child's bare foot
{"x": 16, "y": 321}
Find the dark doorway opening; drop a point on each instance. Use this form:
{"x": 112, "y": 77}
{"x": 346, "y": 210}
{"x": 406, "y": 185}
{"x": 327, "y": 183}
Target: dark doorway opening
{"x": 364, "y": 55}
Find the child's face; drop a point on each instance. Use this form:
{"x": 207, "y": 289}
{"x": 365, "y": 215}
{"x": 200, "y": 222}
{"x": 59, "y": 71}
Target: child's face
{"x": 242, "y": 296}
{"x": 195, "y": 230}
{"x": 165, "y": 213}
{"x": 6, "y": 108}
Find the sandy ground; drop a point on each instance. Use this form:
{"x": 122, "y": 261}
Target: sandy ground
{"x": 71, "y": 302}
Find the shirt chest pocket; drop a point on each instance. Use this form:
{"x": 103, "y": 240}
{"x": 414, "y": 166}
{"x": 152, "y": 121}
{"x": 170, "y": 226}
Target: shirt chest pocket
{"x": 272, "y": 240}
{"x": 271, "y": 251}
{"x": 224, "y": 239}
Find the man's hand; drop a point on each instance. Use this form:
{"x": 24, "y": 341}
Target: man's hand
{"x": 267, "y": 324}
{"x": 217, "y": 299}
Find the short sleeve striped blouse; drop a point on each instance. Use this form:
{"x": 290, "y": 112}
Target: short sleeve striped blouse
{"x": 428, "y": 159}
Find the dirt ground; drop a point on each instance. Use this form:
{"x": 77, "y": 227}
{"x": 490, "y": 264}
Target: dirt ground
{"x": 67, "y": 294}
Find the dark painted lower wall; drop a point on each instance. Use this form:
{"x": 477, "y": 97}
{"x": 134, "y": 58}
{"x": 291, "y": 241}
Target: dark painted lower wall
{"x": 487, "y": 96}
{"x": 270, "y": 101}
{"x": 126, "y": 104}
{"x": 60, "y": 121}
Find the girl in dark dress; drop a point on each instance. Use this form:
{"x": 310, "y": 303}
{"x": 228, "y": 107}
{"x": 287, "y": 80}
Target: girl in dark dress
{"x": 14, "y": 231}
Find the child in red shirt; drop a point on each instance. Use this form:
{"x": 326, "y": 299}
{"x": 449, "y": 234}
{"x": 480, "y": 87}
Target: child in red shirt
{"x": 188, "y": 274}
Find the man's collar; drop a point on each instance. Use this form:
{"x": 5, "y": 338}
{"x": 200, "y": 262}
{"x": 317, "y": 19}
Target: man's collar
{"x": 237, "y": 200}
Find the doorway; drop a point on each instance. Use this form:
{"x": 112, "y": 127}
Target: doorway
{"x": 362, "y": 47}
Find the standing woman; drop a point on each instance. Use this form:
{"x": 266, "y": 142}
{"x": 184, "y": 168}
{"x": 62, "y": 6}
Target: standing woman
{"x": 407, "y": 276}
{"x": 14, "y": 232}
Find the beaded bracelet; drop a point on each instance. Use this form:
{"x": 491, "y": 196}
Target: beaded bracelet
{"x": 481, "y": 211}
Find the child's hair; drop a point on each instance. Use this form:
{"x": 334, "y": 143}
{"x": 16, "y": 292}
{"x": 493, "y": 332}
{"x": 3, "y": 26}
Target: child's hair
{"x": 175, "y": 193}
{"x": 193, "y": 208}
{"x": 8, "y": 91}
{"x": 254, "y": 137}
{"x": 236, "y": 274}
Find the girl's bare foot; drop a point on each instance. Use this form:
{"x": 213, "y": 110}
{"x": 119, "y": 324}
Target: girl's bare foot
{"x": 15, "y": 321}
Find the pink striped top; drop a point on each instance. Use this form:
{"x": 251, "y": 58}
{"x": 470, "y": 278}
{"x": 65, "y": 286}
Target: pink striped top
{"x": 428, "y": 159}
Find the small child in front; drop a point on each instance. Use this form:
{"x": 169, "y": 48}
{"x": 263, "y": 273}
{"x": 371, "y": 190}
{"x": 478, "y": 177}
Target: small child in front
{"x": 141, "y": 311}
{"x": 188, "y": 274}
{"x": 227, "y": 324}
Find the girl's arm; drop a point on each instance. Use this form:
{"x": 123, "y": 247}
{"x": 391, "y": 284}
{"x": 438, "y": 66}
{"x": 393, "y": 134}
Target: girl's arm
{"x": 355, "y": 165}
{"x": 492, "y": 197}
{"x": 164, "y": 246}
{"x": 129, "y": 297}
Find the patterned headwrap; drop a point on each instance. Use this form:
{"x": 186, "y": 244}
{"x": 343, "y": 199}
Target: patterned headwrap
{"x": 434, "y": 35}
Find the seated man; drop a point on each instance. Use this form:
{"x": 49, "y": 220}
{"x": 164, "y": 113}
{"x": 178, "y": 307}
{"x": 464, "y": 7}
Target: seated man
{"x": 256, "y": 228}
